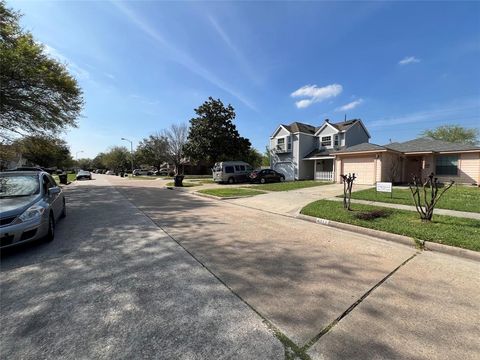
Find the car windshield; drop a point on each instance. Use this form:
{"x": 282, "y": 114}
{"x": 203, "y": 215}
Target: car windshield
{"x": 18, "y": 185}
{"x": 83, "y": 172}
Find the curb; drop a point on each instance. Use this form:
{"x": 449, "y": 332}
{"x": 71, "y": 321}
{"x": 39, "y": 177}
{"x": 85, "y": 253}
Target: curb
{"x": 451, "y": 250}
{"x": 405, "y": 240}
{"x": 217, "y": 197}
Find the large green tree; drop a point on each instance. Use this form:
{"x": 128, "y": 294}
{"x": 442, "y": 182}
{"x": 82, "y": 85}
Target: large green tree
{"x": 117, "y": 158}
{"x": 45, "y": 151}
{"x": 213, "y": 136}
{"x": 453, "y": 133}
{"x": 152, "y": 151}
{"x": 38, "y": 96}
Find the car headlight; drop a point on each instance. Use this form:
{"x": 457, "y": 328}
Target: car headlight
{"x": 33, "y": 212}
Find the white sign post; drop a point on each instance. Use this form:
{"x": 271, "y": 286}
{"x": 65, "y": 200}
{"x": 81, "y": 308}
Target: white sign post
{"x": 384, "y": 187}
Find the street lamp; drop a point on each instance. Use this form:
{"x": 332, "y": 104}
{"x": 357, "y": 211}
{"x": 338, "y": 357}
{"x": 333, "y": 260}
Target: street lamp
{"x": 131, "y": 151}
{"x": 76, "y": 156}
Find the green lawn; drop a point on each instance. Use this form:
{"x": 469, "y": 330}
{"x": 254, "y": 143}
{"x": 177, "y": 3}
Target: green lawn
{"x": 460, "y": 232}
{"x": 229, "y": 192}
{"x": 70, "y": 178}
{"x": 289, "y": 185}
{"x": 461, "y": 198}
{"x": 185, "y": 184}
{"x": 190, "y": 177}
{"x": 140, "y": 177}
{"x": 202, "y": 181}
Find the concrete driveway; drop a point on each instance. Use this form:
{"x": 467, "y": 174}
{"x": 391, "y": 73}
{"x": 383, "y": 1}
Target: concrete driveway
{"x": 148, "y": 272}
{"x": 290, "y": 202}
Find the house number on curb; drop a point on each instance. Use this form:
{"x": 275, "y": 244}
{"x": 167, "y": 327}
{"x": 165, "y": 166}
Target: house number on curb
{"x": 322, "y": 221}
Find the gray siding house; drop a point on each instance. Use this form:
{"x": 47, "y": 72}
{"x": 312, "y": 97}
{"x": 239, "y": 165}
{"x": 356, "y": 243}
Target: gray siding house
{"x": 302, "y": 151}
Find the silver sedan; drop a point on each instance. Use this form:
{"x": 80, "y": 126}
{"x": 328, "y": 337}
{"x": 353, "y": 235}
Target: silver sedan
{"x": 31, "y": 203}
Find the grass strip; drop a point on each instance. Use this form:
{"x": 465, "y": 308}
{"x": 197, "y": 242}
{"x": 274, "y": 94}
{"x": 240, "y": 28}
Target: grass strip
{"x": 231, "y": 192}
{"x": 460, "y": 198}
{"x": 449, "y": 230}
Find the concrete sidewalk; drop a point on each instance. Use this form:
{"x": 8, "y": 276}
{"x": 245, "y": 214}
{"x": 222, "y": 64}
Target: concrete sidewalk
{"x": 462, "y": 214}
{"x": 112, "y": 285}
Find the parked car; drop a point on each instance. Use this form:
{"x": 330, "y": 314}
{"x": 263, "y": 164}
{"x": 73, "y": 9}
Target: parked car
{"x": 231, "y": 172}
{"x": 266, "y": 175}
{"x": 83, "y": 174}
{"x": 31, "y": 204}
{"x": 138, "y": 172}
{"x": 161, "y": 172}
{"x": 110, "y": 172}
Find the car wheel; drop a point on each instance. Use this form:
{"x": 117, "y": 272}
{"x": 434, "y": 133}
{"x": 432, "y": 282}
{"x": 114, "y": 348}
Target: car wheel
{"x": 262, "y": 180}
{"x": 231, "y": 180}
{"x": 51, "y": 229}
{"x": 64, "y": 210}
{"x": 282, "y": 179}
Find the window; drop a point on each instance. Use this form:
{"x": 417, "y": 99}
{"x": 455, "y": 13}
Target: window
{"x": 336, "y": 140}
{"x": 281, "y": 144}
{"x": 446, "y": 165}
{"x": 229, "y": 169}
{"x": 289, "y": 143}
{"x": 239, "y": 167}
{"x": 326, "y": 140}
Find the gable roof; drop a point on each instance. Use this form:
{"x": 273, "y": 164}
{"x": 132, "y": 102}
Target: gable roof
{"x": 429, "y": 145}
{"x": 300, "y": 127}
{"x": 362, "y": 147}
{"x": 343, "y": 126}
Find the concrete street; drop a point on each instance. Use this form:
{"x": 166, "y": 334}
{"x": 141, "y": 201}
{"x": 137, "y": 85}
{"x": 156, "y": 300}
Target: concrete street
{"x": 140, "y": 271}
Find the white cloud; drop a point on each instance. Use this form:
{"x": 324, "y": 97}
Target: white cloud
{"x": 409, "y": 60}
{"x": 350, "y": 105}
{"x": 315, "y": 94}
{"x": 79, "y": 72}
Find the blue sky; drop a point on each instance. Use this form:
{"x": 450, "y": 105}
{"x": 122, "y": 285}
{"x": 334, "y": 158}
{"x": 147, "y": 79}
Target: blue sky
{"x": 400, "y": 67}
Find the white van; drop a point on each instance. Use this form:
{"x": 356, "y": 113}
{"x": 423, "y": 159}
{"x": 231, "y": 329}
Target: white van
{"x": 231, "y": 172}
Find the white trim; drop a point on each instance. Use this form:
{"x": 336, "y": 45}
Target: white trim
{"x": 278, "y": 128}
{"x": 299, "y": 132}
{"x": 320, "y": 158}
{"x": 322, "y": 127}
{"x": 361, "y": 152}
{"x": 459, "y": 151}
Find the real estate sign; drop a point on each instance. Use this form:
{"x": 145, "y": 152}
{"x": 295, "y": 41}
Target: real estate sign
{"x": 384, "y": 187}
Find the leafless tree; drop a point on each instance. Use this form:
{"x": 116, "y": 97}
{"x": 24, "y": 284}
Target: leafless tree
{"x": 176, "y": 137}
{"x": 347, "y": 189}
{"x": 426, "y": 204}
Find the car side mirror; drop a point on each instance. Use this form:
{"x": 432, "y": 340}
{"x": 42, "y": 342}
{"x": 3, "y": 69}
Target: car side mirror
{"x": 54, "y": 190}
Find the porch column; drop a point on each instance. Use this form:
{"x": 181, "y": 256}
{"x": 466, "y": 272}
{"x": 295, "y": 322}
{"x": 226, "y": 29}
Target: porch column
{"x": 314, "y": 169}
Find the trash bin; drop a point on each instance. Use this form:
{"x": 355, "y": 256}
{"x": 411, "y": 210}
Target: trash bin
{"x": 178, "y": 180}
{"x": 63, "y": 178}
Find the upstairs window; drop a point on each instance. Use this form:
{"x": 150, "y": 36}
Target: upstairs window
{"x": 326, "y": 140}
{"x": 336, "y": 140}
{"x": 446, "y": 165}
{"x": 281, "y": 144}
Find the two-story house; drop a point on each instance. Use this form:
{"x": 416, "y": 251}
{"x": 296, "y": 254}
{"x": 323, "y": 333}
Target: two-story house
{"x": 302, "y": 151}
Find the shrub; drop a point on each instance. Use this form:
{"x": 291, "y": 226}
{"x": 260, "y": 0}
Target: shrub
{"x": 373, "y": 214}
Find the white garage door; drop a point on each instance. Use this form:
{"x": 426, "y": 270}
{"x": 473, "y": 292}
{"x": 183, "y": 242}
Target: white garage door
{"x": 285, "y": 168}
{"x": 363, "y": 167}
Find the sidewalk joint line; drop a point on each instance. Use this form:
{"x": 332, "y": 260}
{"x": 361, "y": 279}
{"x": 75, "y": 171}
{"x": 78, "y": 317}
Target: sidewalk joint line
{"x": 330, "y": 326}
{"x": 285, "y": 340}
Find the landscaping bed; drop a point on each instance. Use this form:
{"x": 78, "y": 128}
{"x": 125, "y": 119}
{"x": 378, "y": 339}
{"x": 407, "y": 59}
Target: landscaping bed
{"x": 290, "y": 185}
{"x": 460, "y": 198}
{"x": 449, "y": 230}
{"x": 231, "y": 192}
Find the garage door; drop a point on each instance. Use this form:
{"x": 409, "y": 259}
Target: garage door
{"x": 363, "y": 167}
{"x": 285, "y": 168}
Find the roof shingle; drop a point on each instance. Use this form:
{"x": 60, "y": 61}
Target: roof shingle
{"x": 429, "y": 145}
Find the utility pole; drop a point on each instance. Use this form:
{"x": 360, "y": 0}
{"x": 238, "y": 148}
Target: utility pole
{"x": 131, "y": 152}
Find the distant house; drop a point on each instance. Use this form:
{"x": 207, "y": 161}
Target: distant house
{"x": 301, "y": 151}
